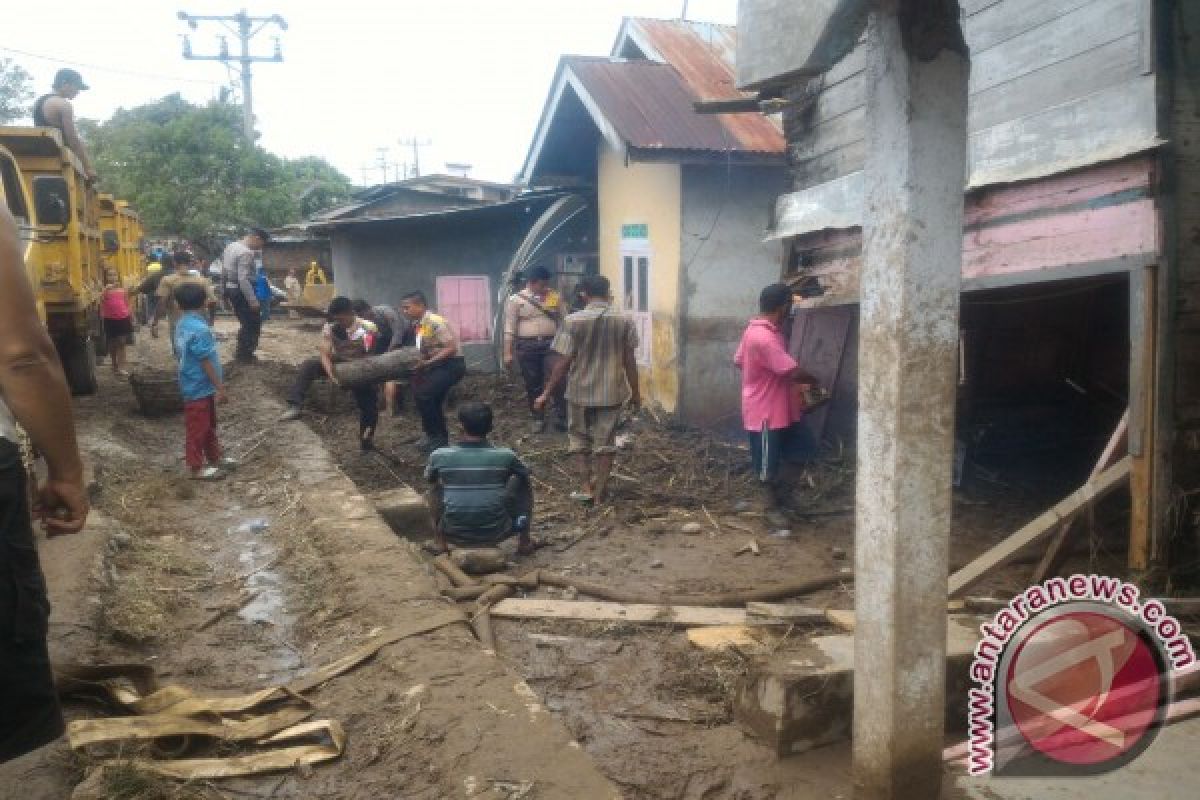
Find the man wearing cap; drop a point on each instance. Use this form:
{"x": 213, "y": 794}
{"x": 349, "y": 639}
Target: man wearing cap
{"x": 239, "y": 267}
{"x": 531, "y": 320}
{"x": 54, "y": 110}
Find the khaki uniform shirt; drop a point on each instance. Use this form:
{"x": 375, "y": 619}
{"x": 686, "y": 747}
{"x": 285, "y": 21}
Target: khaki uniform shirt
{"x": 434, "y": 333}
{"x": 524, "y": 320}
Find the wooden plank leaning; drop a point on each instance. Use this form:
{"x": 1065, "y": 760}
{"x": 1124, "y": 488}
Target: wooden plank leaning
{"x": 1040, "y": 526}
{"x": 1056, "y": 551}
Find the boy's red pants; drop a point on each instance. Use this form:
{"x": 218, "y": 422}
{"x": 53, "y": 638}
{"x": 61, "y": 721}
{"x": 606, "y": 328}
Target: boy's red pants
{"x": 200, "y": 422}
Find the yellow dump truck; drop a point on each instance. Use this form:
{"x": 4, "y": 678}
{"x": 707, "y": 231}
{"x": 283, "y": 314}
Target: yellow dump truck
{"x": 121, "y": 239}
{"x": 14, "y": 195}
{"x": 65, "y": 250}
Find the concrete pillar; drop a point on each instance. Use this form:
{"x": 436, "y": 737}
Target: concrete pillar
{"x": 917, "y": 71}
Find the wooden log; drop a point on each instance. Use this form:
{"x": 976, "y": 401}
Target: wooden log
{"x": 377, "y": 369}
{"x": 492, "y": 596}
{"x": 529, "y": 580}
{"x": 451, "y": 571}
{"x": 479, "y": 561}
{"x": 767, "y": 595}
{"x": 481, "y": 623}
{"x": 1056, "y": 552}
{"x": 590, "y": 589}
{"x": 461, "y": 593}
{"x": 1043, "y": 524}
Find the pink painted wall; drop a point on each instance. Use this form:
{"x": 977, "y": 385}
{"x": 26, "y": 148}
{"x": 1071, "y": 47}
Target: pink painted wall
{"x": 1099, "y": 214}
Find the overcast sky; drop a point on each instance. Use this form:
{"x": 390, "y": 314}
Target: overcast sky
{"x": 470, "y": 76}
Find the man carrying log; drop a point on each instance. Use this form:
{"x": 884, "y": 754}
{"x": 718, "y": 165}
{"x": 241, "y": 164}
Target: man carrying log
{"x": 440, "y": 368}
{"x": 481, "y": 493}
{"x": 770, "y": 412}
{"x": 345, "y": 337}
{"x": 394, "y": 332}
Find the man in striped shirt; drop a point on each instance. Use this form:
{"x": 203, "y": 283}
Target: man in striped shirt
{"x": 481, "y": 493}
{"x": 598, "y": 347}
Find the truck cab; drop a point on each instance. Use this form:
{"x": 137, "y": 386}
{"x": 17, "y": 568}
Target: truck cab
{"x": 64, "y": 255}
{"x": 14, "y": 195}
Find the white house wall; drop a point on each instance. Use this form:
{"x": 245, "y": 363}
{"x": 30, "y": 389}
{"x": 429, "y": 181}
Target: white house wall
{"x": 725, "y": 262}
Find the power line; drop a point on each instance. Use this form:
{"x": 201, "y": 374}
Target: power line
{"x": 113, "y": 70}
{"x": 247, "y": 28}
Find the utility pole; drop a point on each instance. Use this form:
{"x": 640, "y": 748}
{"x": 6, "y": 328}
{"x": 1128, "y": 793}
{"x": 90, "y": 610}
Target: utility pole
{"x": 247, "y": 27}
{"x": 917, "y": 69}
{"x": 415, "y": 144}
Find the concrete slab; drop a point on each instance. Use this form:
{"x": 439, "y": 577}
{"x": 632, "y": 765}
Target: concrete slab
{"x": 801, "y": 700}
{"x": 405, "y": 511}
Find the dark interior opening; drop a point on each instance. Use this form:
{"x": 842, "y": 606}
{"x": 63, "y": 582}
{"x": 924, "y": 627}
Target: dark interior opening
{"x": 1044, "y": 380}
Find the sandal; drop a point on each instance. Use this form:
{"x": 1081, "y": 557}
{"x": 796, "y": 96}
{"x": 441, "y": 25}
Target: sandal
{"x": 582, "y": 497}
{"x": 208, "y": 474}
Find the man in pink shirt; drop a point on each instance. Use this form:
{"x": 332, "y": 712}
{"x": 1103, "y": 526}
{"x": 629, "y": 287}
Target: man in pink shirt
{"x": 770, "y": 412}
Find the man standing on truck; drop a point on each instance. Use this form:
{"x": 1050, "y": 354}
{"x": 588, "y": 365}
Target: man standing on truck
{"x": 33, "y": 392}
{"x": 54, "y": 110}
{"x": 239, "y": 267}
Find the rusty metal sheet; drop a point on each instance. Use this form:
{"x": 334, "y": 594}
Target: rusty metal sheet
{"x": 704, "y": 55}
{"x": 652, "y": 108}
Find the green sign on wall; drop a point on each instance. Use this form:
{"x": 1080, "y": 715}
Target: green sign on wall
{"x": 639, "y": 231}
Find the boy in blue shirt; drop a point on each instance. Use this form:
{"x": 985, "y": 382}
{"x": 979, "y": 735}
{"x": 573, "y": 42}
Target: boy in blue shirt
{"x": 200, "y": 383}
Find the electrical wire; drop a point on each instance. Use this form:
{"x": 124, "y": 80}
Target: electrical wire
{"x": 113, "y": 70}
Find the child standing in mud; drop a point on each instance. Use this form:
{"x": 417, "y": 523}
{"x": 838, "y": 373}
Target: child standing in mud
{"x": 201, "y": 384}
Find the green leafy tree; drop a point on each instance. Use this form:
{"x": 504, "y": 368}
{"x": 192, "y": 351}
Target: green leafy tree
{"x": 15, "y": 91}
{"x": 189, "y": 171}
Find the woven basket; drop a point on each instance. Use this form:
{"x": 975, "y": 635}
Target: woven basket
{"x": 157, "y": 390}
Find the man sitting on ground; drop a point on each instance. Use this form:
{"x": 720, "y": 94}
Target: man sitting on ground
{"x": 481, "y": 494}
{"x": 345, "y": 337}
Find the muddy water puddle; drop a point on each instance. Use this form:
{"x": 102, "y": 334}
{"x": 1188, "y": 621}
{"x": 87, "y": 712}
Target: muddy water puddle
{"x": 247, "y": 542}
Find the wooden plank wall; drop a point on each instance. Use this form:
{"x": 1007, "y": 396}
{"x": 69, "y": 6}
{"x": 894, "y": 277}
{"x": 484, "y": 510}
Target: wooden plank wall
{"x": 1092, "y": 221}
{"x": 1055, "y": 85}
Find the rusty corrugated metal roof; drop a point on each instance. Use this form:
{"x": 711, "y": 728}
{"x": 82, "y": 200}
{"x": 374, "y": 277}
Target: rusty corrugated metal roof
{"x": 704, "y": 55}
{"x": 652, "y": 108}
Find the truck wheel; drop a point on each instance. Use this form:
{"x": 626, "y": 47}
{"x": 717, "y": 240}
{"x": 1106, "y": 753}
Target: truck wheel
{"x": 100, "y": 343}
{"x": 79, "y": 363}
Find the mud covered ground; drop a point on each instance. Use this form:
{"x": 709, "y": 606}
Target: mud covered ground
{"x": 187, "y": 578}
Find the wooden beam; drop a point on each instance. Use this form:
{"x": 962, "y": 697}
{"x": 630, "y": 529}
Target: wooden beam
{"x": 1142, "y": 309}
{"x": 739, "y": 106}
{"x": 594, "y": 611}
{"x": 1056, "y": 553}
{"x": 1039, "y": 527}
{"x": 785, "y": 612}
